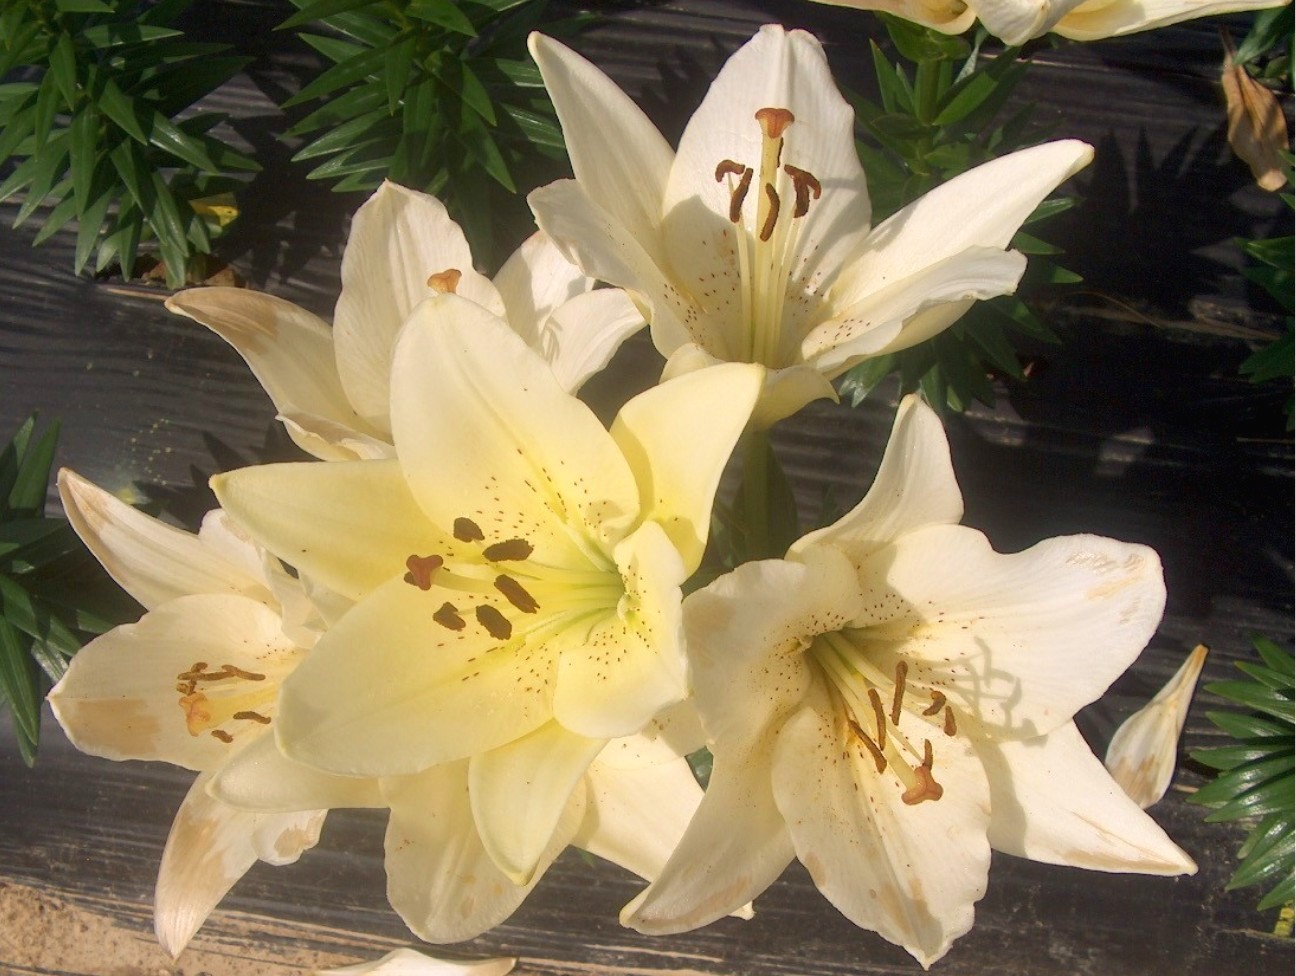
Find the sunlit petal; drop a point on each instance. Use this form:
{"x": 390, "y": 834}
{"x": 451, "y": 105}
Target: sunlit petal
{"x": 407, "y": 962}
{"x": 260, "y": 778}
{"x": 582, "y": 336}
{"x": 534, "y": 282}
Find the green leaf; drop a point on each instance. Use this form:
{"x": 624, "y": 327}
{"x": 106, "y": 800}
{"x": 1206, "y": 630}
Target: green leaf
{"x": 319, "y": 10}
{"x": 19, "y": 682}
{"x": 986, "y": 334}
{"x": 350, "y": 105}
{"x": 353, "y": 69}
{"x": 396, "y": 74}
{"x": 164, "y": 218}
{"x": 26, "y": 543}
{"x": 83, "y": 7}
{"x": 1249, "y": 726}
{"x": 120, "y": 107}
{"x": 1029, "y": 244}
{"x": 443, "y": 13}
{"x": 341, "y": 137}
{"x": 897, "y": 95}
{"x": 89, "y": 226}
{"x": 481, "y": 146}
{"x": 26, "y": 497}
{"x": 1265, "y": 700}
{"x": 1270, "y": 29}
{"x": 919, "y": 43}
{"x": 1050, "y": 208}
{"x": 33, "y": 617}
{"x": 165, "y": 136}
{"x": 1275, "y": 680}
{"x": 12, "y": 455}
{"x": 57, "y": 219}
{"x": 1229, "y": 757}
{"x": 118, "y": 33}
{"x": 62, "y": 67}
{"x": 459, "y": 78}
{"x": 1275, "y": 657}
{"x": 83, "y": 146}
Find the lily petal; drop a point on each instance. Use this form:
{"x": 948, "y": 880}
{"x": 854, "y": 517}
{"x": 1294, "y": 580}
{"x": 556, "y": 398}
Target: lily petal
{"x": 677, "y": 483}
{"x": 1053, "y": 801}
{"x": 520, "y": 790}
{"x": 386, "y": 692}
{"x": 331, "y": 441}
{"x": 582, "y": 336}
{"x": 915, "y": 486}
{"x": 440, "y": 879}
{"x": 407, "y": 962}
{"x": 496, "y": 439}
{"x": 260, "y": 778}
{"x": 617, "y": 154}
{"x": 210, "y": 847}
{"x": 534, "y": 282}
{"x": 1017, "y": 21}
{"x": 1141, "y": 756}
{"x": 350, "y": 525}
{"x": 1096, "y": 19}
{"x": 1022, "y": 641}
{"x": 911, "y": 873}
{"x": 119, "y": 697}
{"x": 290, "y": 352}
{"x": 399, "y": 239}
{"x": 152, "y": 561}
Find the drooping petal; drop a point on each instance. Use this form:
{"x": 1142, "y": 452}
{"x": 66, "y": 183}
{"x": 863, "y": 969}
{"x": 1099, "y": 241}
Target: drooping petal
{"x": 484, "y": 431}
{"x": 735, "y": 847}
{"x": 880, "y": 321}
{"x": 534, "y": 281}
{"x": 399, "y": 240}
{"x": 290, "y": 352}
{"x": 677, "y": 461}
{"x": 261, "y": 779}
{"x": 152, "y": 561}
{"x": 983, "y": 207}
{"x": 407, "y": 962}
{"x": 946, "y": 16}
{"x": 388, "y": 691}
{"x": 915, "y": 486}
{"x": 125, "y": 694}
{"x": 440, "y": 879}
{"x": 350, "y": 525}
{"x": 910, "y": 872}
{"x": 1142, "y": 753}
{"x": 520, "y": 790}
{"x": 582, "y": 336}
{"x": 617, "y": 154}
{"x": 631, "y": 664}
{"x": 1052, "y": 801}
{"x": 210, "y": 847}
{"x": 1096, "y": 19}
{"x": 775, "y": 69}
{"x": 1018, "y": 21}
{"x": 1021, "y": 641}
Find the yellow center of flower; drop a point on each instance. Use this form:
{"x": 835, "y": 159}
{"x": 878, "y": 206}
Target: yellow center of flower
{"x": 767, "y": 248}
{"x": 224, "y": 701}
{"x": 871, "y": 704}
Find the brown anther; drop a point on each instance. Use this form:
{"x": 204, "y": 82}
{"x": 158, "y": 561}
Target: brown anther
{"x": 950, "y": 727}
{"x": 445, "y": 281}
{"x": 878, "y": 759}
{"x": 727, "y": 167}
{"x": 466, "y": 530}
{"x": 222, "y": 735}
{"x": 510, "y": 550}
{"x": 496, "y": 623}
{"x": 879, "y": 716}
{"x": 774, "y": 121}
{"x": 897, "y": 699}
{"x": 252, "y": 717}
{"x": 738, "y": 196}
{"x": 515, "y": 594}
{"x": 806, "y": 186}
{"x": 926, "y": 788}
{"x": 448, "y": 617}
{"x": 233, "y": 672}
{"x": 938, "y": 702}
{"x": 771, "y": 218}
{"x": 421, "y": 570}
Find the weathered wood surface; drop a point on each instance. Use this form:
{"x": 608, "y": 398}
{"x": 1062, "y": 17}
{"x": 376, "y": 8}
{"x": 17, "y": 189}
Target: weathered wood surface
{"x": 1137, "y": 428}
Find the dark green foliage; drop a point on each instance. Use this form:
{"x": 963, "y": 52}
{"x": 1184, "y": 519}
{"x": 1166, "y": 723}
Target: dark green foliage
{"x": 432, "y": 94}
{"x": 1257, "y": 776}
{"x": 90, "y": 118}
{"x": 1274, "y": 273}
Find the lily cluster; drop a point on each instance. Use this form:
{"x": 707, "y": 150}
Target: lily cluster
{"x": 470, "y": 610}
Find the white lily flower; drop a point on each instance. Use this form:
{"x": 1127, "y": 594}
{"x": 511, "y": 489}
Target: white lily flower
{"x": 193, "y": 683}
{"x": 752, "y": 242}
{"x": 331, "y": 386}
{"x": 895, "y": 699}
{"x": 1017, "y": 21}
{"x": 517, "y": 572}
{"x": 407, "y": 962}
{"x": 1143, "y": 751}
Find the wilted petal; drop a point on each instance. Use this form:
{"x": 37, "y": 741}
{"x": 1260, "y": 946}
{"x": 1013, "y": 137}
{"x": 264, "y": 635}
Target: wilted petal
{"x": 152, "y": 561}
{"x": 122, "y": 696}
{"x": 1257, "y": 128}
{"x": 440, "y": 879}
{"x": 399, "y": 239}
{"x": 914, "y": 487}
{"x": 1141, "y": 757}
{"x": 911, "y": 873}
{"x": 210, "y": 847}
{"x": 582, "y": 336}
{"x": 290, "y": 352}
{"x": 1021, "y": 640}
{"x": 260, "y": 778}
{"x": 1052, "y": 801}
{"x": 407, "y": 962}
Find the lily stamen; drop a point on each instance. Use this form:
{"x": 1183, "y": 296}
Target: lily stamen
{"x": 897, "y": 699}
{"x": 445, "y": 282}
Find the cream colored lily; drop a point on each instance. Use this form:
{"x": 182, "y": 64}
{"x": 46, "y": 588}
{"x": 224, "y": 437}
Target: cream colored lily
{"x": 331, "y": 386}
{"x": 895, "y": 699}
{"x": 407, "y": 962}
{"x": 752, "y": 242}
{"x": 193, "y": 683}
{"x": 1017, "y": 21}
{"x": 517, "y": 572}
{"x": 1143, "y": 751}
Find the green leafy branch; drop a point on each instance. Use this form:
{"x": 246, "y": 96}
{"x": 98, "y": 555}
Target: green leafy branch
{"x": 92, "y": 119}
{"x": 1257, "y": 775}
